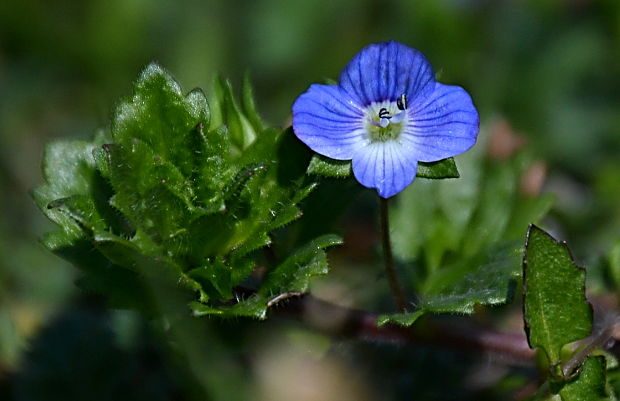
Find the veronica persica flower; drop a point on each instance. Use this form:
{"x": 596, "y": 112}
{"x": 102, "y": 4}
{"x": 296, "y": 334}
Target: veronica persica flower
{"x": 386, "y": 114}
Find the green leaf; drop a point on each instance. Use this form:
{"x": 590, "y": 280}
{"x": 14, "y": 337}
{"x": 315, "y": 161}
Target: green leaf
{"x": 159, "y": 115}
{"x": 326, "y": 167}
{"x": 80, "y": 208}
{"x": 441, "y": 225}
{"x": 295, "y": 272}
{"x": 290, "y": 278}
{"x": 404, "y": 319}
{"x": 255, "y": 306}
{"x": 249, "y": 106}
{"x": 492, "y": 282}
{"x": 463, "y": 239}
{"x": 495, "y": 204}
{"x": 134, "y": 254}
{"x": 216, "y": 275}
{"x": 460, "y": 289}
{"x": 124, "y": 288}
{"x": 68, "y": 169}
{"x": 241, "y": 130}
{"x": 285, "y": 215}
{"x": 556, "y": 311}
{"x": 445, "y": 168}
{"x": 167, "y": 200}
{"x": 215, "y": 168}
{"x": 151, "y": 192}
{"x": 590, "y": 384}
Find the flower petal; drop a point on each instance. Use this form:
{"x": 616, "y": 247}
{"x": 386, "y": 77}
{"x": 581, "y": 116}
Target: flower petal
{"x": 385, "y": 166}
{"x": 329, "y": 121}
{"x": 384, "y": 71}
{"x": 443, "y": 125}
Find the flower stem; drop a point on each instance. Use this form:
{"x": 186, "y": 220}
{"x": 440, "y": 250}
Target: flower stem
{"x": 390, "y": 272}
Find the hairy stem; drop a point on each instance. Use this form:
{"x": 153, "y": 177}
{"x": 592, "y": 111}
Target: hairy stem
{"x": 390, "y": 272}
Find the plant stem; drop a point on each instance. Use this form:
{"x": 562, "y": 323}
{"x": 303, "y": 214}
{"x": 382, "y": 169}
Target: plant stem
{"x": 390, "y": 272}
{"x": 596, "y": 340}
{"x": 511, "y": 348}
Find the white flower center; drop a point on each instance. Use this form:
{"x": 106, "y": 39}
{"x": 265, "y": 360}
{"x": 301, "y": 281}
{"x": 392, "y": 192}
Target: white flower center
{"x": 386, "y": 120}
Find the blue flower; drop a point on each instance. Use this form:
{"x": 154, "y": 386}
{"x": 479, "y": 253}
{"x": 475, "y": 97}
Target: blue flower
{"x": 387, "y": 114}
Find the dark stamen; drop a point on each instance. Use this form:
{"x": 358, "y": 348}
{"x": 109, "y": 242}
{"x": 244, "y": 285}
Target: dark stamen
{"x": 401, "y": 102}
{"x": 383, "y": 113}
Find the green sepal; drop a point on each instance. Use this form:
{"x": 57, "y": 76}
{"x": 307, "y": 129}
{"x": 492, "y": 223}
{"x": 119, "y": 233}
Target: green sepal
{"x": 445, "y": 168}
{"x": 326, "y": 167}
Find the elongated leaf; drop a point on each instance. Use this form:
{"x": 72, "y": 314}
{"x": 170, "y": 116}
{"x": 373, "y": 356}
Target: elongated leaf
{"x": 556, "y": 311}
{"x": 463, "y": 239}
{"x": 254, "y": 306}
{"x": 295, "y": 272}
{"x": 249, "y": 106}
{"x": 241, "y": 130}
{"x": 461, "y": 288}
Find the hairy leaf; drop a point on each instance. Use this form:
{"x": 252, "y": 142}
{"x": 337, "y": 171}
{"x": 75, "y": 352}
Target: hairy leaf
{"x": 290, "y": 278}
{"x": 159, "y": 115}
{"x": 176, "y": 198}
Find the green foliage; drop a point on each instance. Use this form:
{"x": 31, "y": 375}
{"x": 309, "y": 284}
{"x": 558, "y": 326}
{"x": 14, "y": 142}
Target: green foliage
{"x": 326, "y": 167}
{"x": 489, "y": 281}
{"x": 556, "y": 311}
{"x": 549, "y": 68}
{"x": 445, "y": 168}
{"x": 590, "y": 384}
{"x": 290, "y": 278}
{"x": 465, "y": 237}
{"x": 181, "y": 194}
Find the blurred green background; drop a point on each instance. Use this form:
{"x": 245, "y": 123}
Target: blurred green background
{"x": 547, "y": 70}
